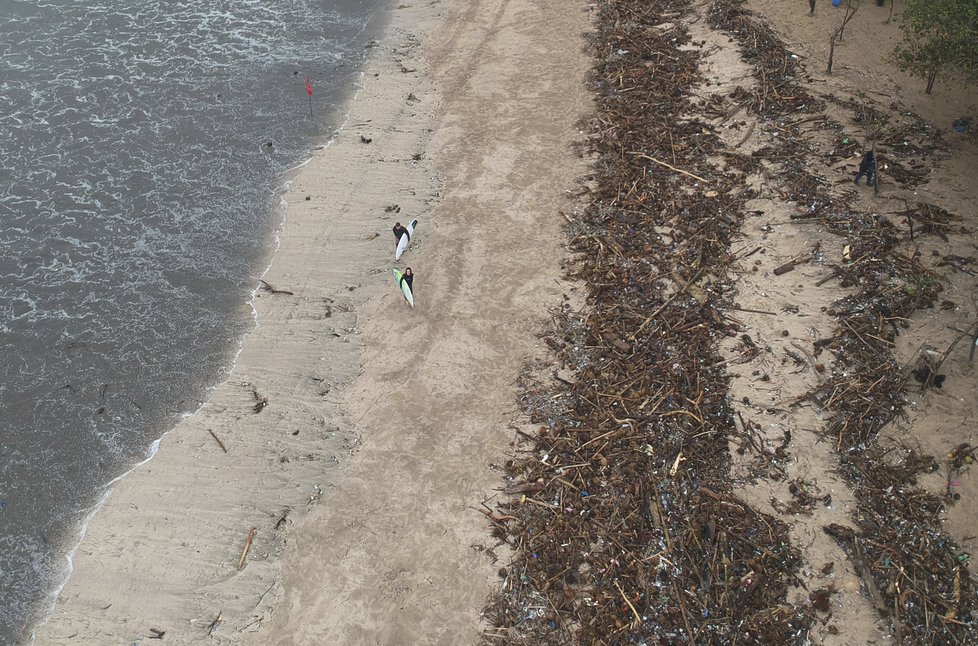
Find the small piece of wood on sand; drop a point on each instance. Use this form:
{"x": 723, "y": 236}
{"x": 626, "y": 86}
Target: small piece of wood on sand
{"x": 214, "y": 624}
{"x": 247, "y": 548}
{"x": 791, "y": 264}
{"x": 218, "y": 440}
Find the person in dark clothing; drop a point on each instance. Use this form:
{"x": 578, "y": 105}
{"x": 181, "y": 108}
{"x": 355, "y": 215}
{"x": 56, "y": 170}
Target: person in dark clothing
{"x": 867, "y": 168}
{"x": 399, "y": 231}
{"x": 408, "y": 277}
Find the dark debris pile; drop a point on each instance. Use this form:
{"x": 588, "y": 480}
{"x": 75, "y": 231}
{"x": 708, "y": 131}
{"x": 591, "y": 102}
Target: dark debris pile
{"x": 621, "y": 514}
{"x": 914, "y": 573}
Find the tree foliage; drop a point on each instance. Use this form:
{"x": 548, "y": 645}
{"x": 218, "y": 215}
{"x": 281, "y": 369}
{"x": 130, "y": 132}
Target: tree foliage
{"x": 940, "y": 39}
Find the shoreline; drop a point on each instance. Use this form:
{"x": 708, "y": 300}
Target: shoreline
{"x": 280, "y": 210}
{"x": 292, "y": 437}
{"x": 278, "y": 207}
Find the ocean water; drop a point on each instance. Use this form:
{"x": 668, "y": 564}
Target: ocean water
{"x": 143, "y": 142}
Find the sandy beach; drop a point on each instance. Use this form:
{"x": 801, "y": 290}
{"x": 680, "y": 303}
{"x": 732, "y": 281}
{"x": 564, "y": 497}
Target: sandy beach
{"x": 335, "y": 489}
{"x": 328, "y": 491}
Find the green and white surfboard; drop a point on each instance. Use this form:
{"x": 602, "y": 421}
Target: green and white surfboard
{"x": 408, "y": 296}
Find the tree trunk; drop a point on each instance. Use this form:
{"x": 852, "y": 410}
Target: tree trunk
{"x": 831, "y": 52}
{"x": 846, "y": 18}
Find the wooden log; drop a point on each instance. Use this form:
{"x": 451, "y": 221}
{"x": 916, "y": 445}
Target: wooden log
{"x": 791, "y": 264}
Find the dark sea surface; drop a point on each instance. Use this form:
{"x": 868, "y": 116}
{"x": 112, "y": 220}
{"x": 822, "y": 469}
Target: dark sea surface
{"x": 138, "y": 209}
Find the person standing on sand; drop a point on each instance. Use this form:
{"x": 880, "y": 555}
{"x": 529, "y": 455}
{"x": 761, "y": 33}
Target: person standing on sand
{"x": 867, "y": 167}
{"x": 399, "y": 231}
{"x": 408, "y": 277}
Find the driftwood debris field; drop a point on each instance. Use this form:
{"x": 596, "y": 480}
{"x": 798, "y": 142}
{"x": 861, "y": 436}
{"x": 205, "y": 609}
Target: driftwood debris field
{"x": 630, "y": 508}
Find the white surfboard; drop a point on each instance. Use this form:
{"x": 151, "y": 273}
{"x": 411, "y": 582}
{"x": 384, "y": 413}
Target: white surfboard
{"x": 402, "y": 244}
{"x": 408, "y": 296}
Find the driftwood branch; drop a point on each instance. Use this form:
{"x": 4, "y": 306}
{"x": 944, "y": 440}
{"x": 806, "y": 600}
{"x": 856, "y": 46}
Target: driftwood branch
{"x": 247, "y": 548}
{"x": 671, "y": 167}
{"x": 261, "y": 402}
{"x": 218, "y": 440}
{"x": 214, "y": 624}
{"x": 269, "y": 288}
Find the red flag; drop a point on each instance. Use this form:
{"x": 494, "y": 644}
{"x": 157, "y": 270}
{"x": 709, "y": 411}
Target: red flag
{"x": 308, "y": 87}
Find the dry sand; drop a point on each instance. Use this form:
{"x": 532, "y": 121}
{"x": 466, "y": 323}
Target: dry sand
{"x": 362, "y": 476}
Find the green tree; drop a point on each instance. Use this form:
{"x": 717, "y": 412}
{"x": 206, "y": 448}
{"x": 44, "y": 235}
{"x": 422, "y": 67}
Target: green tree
{"x": 940, "y": 39}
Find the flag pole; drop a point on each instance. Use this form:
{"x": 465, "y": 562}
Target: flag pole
{"x": 309, "y": 92}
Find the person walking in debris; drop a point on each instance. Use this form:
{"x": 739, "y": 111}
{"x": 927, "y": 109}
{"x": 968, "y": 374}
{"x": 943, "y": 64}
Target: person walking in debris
{"x": 399, "y": 231}
{"x": 867, "y": 168}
